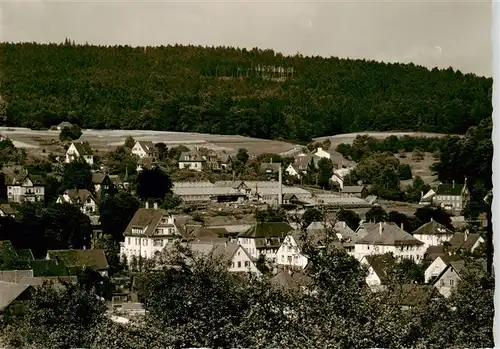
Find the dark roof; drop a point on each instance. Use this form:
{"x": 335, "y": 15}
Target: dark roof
{"x": 146, "y": 217}
{"x": 14, "y": 275}
{"x": 353, "y": 188}
{"x": 463, "y": 241}
{"x": 432, "y": 228}
{"x": 18, "y": 179}
{"x": 450, "y": 189}
{"x": 387, "y": 233}
{"x": 301, "y": 162}
{"x": 270, "y": 166}
{"x": 381, "y": 265}
{"x": 412, "y": 294}
{"x": 203, "y": 234}
{"x": 94, "y": 258}
{"x": 289, "y": 196}
{"x": 83, "y": 148}
{"x": 434, "y": 251}
{"x": 79, "y": 196}
{"x": 6, "y": 244}
{"x": 459, "y": 266}
{"x": 48, "y": 267}
{"x": 99, "y": 177}
{"x": 25, "y": 254}
{"x": 267, "y": 230}
{"x": 291, "y": 280}
{"x": 196, "y": 156}
{"x": 147, "y": 146}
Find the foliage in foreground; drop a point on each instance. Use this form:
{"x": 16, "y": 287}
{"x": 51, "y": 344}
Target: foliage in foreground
{"x": 198, "y": 303}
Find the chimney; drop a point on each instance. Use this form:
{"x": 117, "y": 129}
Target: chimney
{"x": 402, "y": 226}
{"x": 280, "y": 187}
{"x": 466, "y": 234}
{"x": 380, "y": 228}
{"x": 344, "y": 224}
{"x": 155, "y": 205}
{"x": 453, "y": 183}
{"x": 147, "y": 204}
{"x": 432, "y": 219}
{"x": 421, "y": 194}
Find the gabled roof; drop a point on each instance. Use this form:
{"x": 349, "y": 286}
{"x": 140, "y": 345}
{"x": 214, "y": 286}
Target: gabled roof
{"x": 48, "y": 267}
{"x": 459, "y": 266}
{"x": 146, "y": 217}
{"x": 388, "y": 233}
{"x": 353, "y": 189}
{"x": 199, "y": 234}
{"x": 301, "y": 162}
{"x": 83, "y": 148}
{"x": 9, "y": 292}
{"x": 432, "y": 228}
{"x": 270, "y": 166}
{"x": 79, "y": 196}
{"x": 94, "y": 258}
{"x": 380, "y": 264}
{"x": 267, "y": 230}
{"x": 450, "y": 189}
{"x": 7, "y": 209}
{"x": 290, "y": 280}
{"x": 463, "y": 241}
{"x": 147, "y": 146}
{"x": 14, "y": 275}
{"x": 99, "y": 177}
{"x": 192, "y": 153}
{"x": 18, "y": 179}
{"x": 25, "y": 254}
{"x": 224, "y": 250}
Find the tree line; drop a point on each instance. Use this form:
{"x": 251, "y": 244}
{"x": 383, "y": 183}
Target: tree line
{"x": 179, "y": 88}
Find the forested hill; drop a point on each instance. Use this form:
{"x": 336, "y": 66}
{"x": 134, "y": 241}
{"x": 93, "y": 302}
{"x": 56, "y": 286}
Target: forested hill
{"x": 231, "y": 91}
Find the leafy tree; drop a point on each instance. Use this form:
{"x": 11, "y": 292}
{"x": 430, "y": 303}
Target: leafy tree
{"x": 425, "y": 214}
{"x": 3, "y": 188}
{"x": 350, "y": 217}
{"x": 56, "y": 318}
{"x": 415, "y": 191}
{"x": 171, "y": 201}
{"x": 66, "y": 227}
{"x": 270, "y": 215}
{"x": 162, "y": 150}
{"x": 410, "y": 224}
{"x": 311, "y": 215}
{"x": 77, "y": 175}
{"x": 376, "y": 214}
{"x": 129, "y": 142}
{"x": 116, "y": 212}
{"x": 153, "y": 184}
{"x": 111, "y": 249}
{"x": 404, "y": 172}
{"x": 70, "y": 133}
{"x": 242, "y": 156}
{"x": 325, "y": 173}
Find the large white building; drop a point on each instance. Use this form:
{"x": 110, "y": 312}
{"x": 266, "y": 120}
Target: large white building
{"x": 149, "y": 231}
{"x": 289, "y": 253}
{"x": 81, "y": 198}
{"x": 80, "y": 149}
{"x": 387, "y": 237}
{"x": 264, "y": 239}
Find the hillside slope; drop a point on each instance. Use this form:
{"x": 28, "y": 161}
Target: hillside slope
{"x": 226, "y": 91}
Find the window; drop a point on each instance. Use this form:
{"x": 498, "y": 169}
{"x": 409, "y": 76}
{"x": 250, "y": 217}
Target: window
{"x": 247, "y": 264}
{"x": 452, "y": 283}
{"x": 289, "y": 259}
{"x": 442, "y": 283}
{"x": 282, "y": 258}
{"x": 128, "y": 241}
{"x": 232, "y": 265}
{"x": 144, "y": 242}
{"x": 158, "y": 242}
{"x": 239, "y": 264}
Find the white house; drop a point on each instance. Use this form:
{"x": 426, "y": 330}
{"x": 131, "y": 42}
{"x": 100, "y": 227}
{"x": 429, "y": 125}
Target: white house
{"x": 433, "y": 234}
{"x": 343, "y": 233}
{"x": 144, "y": 149}
{"x": 300, "y": 165}
{"x": 191, "y": 160}
{"x": 24, "y": 187}
{"x": 387, "y": 237}
{"x": 438, "y": 266}
{"x": 377, "y": 270}
{"x": 150, "y": 230}
{"x": 452, "y": 197}
{"x": 236, "y": 257}
{"x": 81, "y": 198}
{"x": 453, "y": 273}
{"x": 6, "y": 211}
{"x": 289, "y": 253}
{"x": 264, "y": 239}
{"x": 340, "y": 175}
{"x": 80, "y": 149}
{"x": 101, "y": 181}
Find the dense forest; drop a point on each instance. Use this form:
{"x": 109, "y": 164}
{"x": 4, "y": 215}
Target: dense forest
{"x": 225, "y": 90}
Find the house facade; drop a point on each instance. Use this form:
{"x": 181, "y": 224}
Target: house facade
{"x": 101, "y": 181}
{"x": 264, "y": 239}
{"x": 191, "y": 160}
{"x": 288, "y": 254}
{"x": 82, "y": 198}
{"x": 25, "y": 187}
{"x": 339, "y": 176}
{"x": 438, "y": 266}
{"x": 358, "y": 191}
{"x": 385, "y": 237}
{"x": 452, "y": 197}
{"x": 144, "y": 149}
{"x": 433, "y": 234}
{"x": 80, "y": 149}
{"x": 149, "y": 232}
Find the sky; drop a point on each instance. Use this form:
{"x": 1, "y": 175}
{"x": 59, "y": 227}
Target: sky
{"x": 454, "y": 33}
